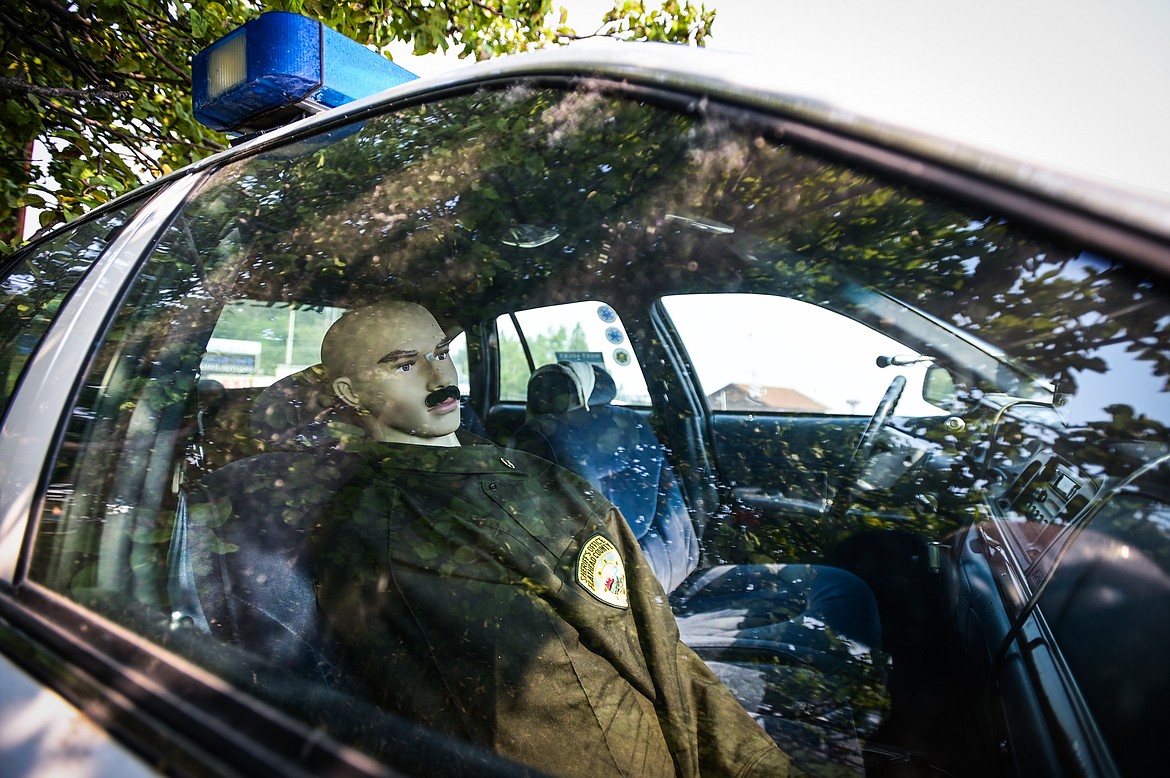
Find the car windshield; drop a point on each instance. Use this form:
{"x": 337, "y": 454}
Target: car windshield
{"x": 1006, "y": 374}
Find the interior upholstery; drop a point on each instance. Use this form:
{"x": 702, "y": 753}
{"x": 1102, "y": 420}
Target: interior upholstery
{"x": 238, "y": 564}
{"x": 778, "y": 635}
{"x": 239, "y": 557}
{"x": 300, "y": 411}
{"x": 613, "y": 448}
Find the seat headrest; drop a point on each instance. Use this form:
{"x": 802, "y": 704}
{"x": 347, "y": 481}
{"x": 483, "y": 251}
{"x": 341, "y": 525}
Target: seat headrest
{"x": 567, "y": 386}
{"x": 296, "y": 412}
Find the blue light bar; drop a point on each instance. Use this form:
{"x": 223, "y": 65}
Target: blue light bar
{"x": 280, "y": 66}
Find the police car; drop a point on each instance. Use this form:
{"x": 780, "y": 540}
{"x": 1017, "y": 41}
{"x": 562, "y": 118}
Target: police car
{"x": 842, "y": 343}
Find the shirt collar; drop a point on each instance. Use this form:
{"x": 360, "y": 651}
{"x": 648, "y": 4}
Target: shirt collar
{"x": 477, "y": 457}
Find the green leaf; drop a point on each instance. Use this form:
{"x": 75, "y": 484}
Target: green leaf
{"x": 131, "y": 69}
{"x": 198, "y": 23}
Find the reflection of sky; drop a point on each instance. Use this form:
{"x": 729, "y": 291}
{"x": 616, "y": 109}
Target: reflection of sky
{"x": 18, "y": 284}
{"x": 1128, "y": 382}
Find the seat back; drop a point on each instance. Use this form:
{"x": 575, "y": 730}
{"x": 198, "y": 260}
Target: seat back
{"x": 238, "y": 565}
{"x": 300, "y": 411}
{"x": 571, "y": 422}
{"x": 239, "y": 557}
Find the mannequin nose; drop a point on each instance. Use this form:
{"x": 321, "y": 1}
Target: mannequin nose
{"x": 437, "y": 377}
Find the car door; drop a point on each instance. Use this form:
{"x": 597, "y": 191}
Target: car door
{"x": 725, "y": 237}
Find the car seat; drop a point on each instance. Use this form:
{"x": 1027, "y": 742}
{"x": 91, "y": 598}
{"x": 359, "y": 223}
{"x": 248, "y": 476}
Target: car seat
{"x": 572, "y": 423}
{"x": 766, "y": 630}
{"x": 238, "y": 563}
{"x": 301, "y": 411}
{"x": 239, "y": 557}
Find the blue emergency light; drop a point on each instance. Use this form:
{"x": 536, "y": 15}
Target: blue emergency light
{"x": 280, "y": 66}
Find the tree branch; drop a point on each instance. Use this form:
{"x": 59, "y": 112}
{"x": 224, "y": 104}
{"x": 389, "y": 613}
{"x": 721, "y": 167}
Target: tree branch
{"x": 68, "y": 17}
{"x": 145, "y": 79}
{"x": 181, "y": 72}
{"x": 486, "y": 7}
{"x": 165, "y": 21}
{"x": 406, "y": 10}
{"x": 16, "y": 85}
{"x": 131, "y": 140}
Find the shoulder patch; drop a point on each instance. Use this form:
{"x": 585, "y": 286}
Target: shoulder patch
{"x": 601, "y": 573}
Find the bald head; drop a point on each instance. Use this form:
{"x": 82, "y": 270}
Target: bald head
{"x": 350, "y": 338}
{"x": 390, "y": 360}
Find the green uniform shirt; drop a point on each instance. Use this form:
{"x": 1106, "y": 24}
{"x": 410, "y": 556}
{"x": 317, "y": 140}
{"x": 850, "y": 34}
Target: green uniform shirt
{"x": 500, "y": 599}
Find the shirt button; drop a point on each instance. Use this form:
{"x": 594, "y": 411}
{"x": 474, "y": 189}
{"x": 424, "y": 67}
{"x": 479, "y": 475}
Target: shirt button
{"x": 492, "y": 486}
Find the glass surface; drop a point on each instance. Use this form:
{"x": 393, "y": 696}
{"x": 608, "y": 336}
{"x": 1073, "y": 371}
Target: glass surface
{"x": 762, "y": 354}
{"x": 255, "y": 344}
{"x": 187, "y": 506}
{"x": 588, "y": 331}
{"x": 33, "y": 288}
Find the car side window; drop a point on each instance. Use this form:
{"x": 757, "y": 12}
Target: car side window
{"x": 203, "y": 449}
{"x": 35, "y": 285}
{"x": 589, "y": 331}
{"x": 757, "y": 353}
{"x": 944, "y": 376}
{"x": 255, "y": 344}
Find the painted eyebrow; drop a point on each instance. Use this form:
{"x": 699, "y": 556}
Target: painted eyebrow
{"x": 398, "y": 354}
{"x": 394, "y": 356}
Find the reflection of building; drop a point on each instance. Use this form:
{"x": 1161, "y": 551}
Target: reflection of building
{"x": 749, "y": 397}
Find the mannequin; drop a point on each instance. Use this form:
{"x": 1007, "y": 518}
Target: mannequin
{"x": 497, "y": 597}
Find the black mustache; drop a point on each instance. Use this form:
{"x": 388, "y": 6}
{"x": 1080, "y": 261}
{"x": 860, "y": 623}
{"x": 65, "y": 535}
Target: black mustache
{"x": 440, "y": 395}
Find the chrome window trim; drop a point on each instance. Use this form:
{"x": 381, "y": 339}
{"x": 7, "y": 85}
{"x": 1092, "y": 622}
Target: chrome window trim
{"x": 42, "y": 398}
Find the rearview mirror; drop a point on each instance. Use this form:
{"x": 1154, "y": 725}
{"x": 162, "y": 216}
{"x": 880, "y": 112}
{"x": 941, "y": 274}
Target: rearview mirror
{"x": 939, "y": 387}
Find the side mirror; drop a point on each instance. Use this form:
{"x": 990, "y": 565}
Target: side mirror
{"x": 939, "y": 387}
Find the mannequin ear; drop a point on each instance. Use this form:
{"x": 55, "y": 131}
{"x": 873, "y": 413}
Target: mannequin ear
{"x": 343, "y": 389}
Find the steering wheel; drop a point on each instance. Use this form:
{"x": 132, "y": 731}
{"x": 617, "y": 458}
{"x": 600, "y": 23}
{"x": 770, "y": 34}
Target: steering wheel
{"x": 868, "y": 440}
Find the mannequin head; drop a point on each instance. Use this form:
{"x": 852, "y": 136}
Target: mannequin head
{"x": 390, "y": 361}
